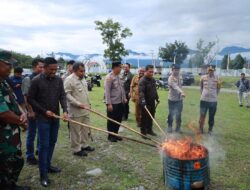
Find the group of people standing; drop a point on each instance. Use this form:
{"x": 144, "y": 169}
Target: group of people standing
{"x": 144, "y": 94}
{"x": 44, "y": 93}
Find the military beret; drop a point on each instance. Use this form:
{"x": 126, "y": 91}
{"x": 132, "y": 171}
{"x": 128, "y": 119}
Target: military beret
{"x": 6, "y": 56}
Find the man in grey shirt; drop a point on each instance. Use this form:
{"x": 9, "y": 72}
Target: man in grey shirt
{"x": 69, "y": 70}
{"x": 175, "y": 98}
{"x": 115, "y": 98}
{"x": 210, "y": 87}
{"x": 243, "y": 89}
{"x": 37, "y": 67}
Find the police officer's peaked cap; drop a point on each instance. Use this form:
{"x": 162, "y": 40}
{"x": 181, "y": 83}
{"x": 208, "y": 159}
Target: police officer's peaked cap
{"x": 211, "y": 67}
{"x": 6, "y": 56}
{"x": 175, "y": 66}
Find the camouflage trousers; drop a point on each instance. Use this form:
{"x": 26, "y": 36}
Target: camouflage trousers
{"x": 10, "y": 168}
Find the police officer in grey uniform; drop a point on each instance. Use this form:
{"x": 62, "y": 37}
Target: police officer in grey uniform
{"x": 175, "y": 98}
{"x": 115, "y": 98}
{"x": 210, "y": 87}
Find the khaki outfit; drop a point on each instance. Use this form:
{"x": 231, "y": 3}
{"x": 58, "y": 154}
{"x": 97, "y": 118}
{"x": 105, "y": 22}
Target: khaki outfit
{"x": 135, "y": 98}
{"x": 77, "y": 93}
{"x": 65, "y": 75}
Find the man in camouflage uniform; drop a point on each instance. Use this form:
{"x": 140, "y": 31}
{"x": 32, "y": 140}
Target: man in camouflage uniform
{"x": 11, "y": 161}
{"x": 134, "y": 94}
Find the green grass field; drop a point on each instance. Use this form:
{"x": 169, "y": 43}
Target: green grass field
{"x": 127, "y": 165}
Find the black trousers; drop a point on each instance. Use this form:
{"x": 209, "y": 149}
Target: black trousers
{"x": 116, "y": 115}
{"x": 126, "y": 108}
{"x": 146, "y": 121}
{"x": 175, "y": 108}
{"x": 211, "y": 107}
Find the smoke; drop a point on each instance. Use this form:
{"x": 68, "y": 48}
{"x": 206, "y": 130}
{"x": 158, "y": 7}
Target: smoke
{"x": 216, "y": 152}
{"x": 211, "y": 142}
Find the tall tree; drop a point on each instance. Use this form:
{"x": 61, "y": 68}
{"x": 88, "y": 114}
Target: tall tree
{"x": 22, "y": 60}
{"x": 174, "y": 52}
{"x": 238, "y": 62}
{"x": 61, "y": 62}
{"x": 112, "y": 35}
{"x": 224, "y": 62}
{"x": 202, "y": 55}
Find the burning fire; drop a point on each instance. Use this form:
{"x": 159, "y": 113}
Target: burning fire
{"x": 184, "y": 149}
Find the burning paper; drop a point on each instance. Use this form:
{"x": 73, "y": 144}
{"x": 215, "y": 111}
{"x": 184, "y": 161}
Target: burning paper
{"x": 184, "y": 149}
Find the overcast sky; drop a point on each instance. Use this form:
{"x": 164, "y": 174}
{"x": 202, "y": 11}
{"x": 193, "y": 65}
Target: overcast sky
{"x": 41, "y": 26}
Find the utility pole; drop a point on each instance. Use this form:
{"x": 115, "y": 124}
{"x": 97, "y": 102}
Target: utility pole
{"x": 174, "y": 58}
{"x": 217, "y": 50}
{"x": 153, "y": 62}
{"x": 228, "y": 61}
{"x": 175, "y": 53}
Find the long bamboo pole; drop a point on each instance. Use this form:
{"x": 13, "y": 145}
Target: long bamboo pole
{"x": 104, "y": 116}
{"x": 163, "y": 132}
{"x": 102, "y": 130}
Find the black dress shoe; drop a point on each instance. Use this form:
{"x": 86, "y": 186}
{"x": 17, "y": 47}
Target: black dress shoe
{"x": 118, "y": 138}
{"x": 112, "y": 139}
{"x": 53, "y": 169}
{"x": 88, "y": 149}
{"x": 81, "y": 153}
{"x": 17, "y": 187}
{"x": 32, "y": 161}
{"x": 144, "y": 137}
{"x": 44, "y": 181}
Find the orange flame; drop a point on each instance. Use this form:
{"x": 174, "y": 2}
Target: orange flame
{"x": 184, "y": 149}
